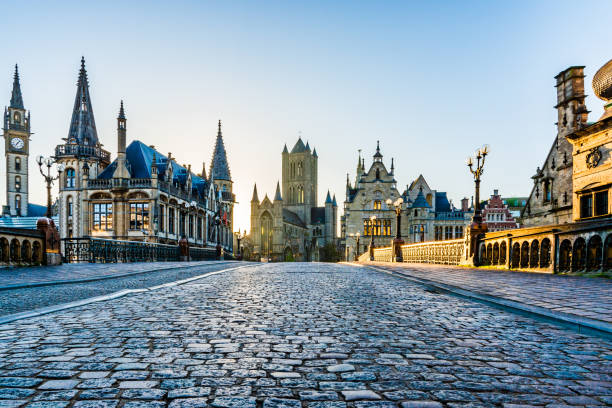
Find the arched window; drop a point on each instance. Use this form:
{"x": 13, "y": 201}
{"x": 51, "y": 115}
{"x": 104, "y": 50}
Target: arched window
{"x": 69, "y": 206}
{"x": 377, "y": 204}
{"x": 69, "y": 178}
{"x": 17, "y": 163}
{"x": 17, "y": 183}
{"x": 18, "y": 204}
{"x": 17, "y": 117}
{"x": 547, "y": 191}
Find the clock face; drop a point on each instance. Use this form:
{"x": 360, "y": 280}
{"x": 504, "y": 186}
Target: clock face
{"x": 17, "y": 143}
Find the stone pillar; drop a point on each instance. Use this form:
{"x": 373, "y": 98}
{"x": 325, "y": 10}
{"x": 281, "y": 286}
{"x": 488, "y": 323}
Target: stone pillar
{"x": 474, "y": 234}
{"x": 396, "y": 250}
{"x": 183, "y": 249}
{"x": 51, "y": 243}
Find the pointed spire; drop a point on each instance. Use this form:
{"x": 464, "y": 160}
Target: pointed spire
{"x": 334, "y": 203}
{"x": 203, "y": 175}
{"x": 348, "y": 183}
{"x": 219, "y": 168}
{"x": 392, "y": 166}
{"x": 121, "y": 111}
{"x": 308, "y": 146}
{"x": 378, "y": 155}
{"x": 16, "y": 98}
{"x": 255, "y": 198}
{"x": 328, "y": 199}
{"x": 277, "y": 195}
{"x": 82, "y": 125}
{"x": 285, "y": 150}
{"x": 314, "y": 153}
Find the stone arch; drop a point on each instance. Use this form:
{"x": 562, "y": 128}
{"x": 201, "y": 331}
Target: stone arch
{"x": 36, "y": 252}
{"x": 594, "y": 253}
{"x": 545, "y": 253}
{"x": 565, "y": 255}
{"x": 516, "y": 255}
{"x": 482, "y": 254}
{"x": 534, "y": 254}
{"x": 4, "y": 246}
{"x": 525, "y": 254}
{"x": 138, "y": 195}
{"x": 579, "y": 255}
{"x": 489, "y": 258}
{"x": 266, "y": 238}
{"x": 26, "y": 251}
{"x": 15, "y": 250}
{"x": 495, "y": 254}
{"x": 607, "y": 253}
{"x": 101, "y": 196}
{"x": 502, "y": 253}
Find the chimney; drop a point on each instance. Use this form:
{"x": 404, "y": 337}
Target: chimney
{"x": 496, "y": 192}
{"x": 465, "y": 206}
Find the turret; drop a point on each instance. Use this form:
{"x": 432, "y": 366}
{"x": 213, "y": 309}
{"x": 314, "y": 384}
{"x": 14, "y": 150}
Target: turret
{"x": 121, "y": 171}
{"x": 277, "y": 195}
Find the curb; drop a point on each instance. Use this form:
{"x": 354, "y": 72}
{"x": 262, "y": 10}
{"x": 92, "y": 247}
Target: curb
{"x": 111, "y": 296}
{"x": 94, "y": 279}
{"x": 580, "y": 324}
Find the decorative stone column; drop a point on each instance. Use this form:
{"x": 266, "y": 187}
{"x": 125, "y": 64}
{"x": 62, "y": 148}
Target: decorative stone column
{"x": 52, "y": 255}
{"x": 183, "y": 249}
{"x": 474, "y": 235}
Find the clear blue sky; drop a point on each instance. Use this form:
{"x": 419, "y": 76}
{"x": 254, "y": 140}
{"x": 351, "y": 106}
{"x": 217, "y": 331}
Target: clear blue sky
{"x": 431, "y": 82}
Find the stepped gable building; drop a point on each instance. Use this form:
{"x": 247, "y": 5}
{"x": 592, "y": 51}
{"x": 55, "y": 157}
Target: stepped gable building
{"x": 18, "y": 211}
{"x": 291, "y": 226}
{"x": 496, "y": 214}
{"x": 142, "y": 195}
{"x": 551, "y": 198}
{"x": 426, "y": 214}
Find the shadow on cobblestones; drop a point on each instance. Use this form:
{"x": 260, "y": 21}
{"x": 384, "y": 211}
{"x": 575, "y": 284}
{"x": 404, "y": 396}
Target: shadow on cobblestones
{"x": 298, "y": 335}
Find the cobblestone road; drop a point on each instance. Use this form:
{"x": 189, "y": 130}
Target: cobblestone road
{"x": 297, "y": 335}
{"x": 26, "y": 299}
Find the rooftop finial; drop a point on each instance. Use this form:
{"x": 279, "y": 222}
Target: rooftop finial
{"x": 378, "y": 145}
{"x": 219, "y": 126}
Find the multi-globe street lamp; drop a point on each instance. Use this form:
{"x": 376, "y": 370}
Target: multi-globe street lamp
{"x": 476, "y": 165}
{"x": 49, "y": 161}
{"x": 372, "y": 221}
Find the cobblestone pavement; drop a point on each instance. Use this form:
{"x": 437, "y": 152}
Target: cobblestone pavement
{"x": 298, "y": 335}
{"x": 586, "y": 297}
{"x": 26, "y": 299}
{"x": 68, "y": 272}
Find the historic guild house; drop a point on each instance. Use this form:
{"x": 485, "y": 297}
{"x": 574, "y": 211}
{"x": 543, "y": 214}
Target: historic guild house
{"x": 142, "y": 195}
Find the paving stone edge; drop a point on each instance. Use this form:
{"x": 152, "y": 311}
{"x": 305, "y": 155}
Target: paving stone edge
{"x": 580, "y": 324}
{"x": 111, "y": 296}
{"x": 94, "y": 279}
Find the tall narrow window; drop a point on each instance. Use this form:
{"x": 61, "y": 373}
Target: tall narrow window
{"x": 586, "y": 206}
{"x": 17, "y": 163}
{"x": 387, "y": 227}
{"x": 199, "y": 228}
{"x": 171, "y": 221}
{"x": 601, "y": 203}
{"x": 17, "y": 183}
{"x": 102, "y": 216}
{"x": 547, "y": 191}
{"x": 69, "y": 174}
{"x": 18, "y": 204}
{"x": 182, "y": 223}
{"x": 139, "y": 216}
{"x": 377, "y": 204}
{"x": 69, "y": 206}
{"x": 190, "y": 226}
{"x": 161, "y": 218}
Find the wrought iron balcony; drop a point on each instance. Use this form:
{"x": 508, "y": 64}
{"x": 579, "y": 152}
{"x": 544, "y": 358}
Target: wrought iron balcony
{"x": 228, "y": 197}
{"x": 69, "y": 150}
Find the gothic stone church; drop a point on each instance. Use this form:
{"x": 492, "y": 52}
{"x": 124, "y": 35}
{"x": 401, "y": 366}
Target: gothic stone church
{"x": 291, "y": 226}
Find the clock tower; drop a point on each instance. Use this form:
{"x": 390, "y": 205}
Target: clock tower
{"x": 16, "y": 147}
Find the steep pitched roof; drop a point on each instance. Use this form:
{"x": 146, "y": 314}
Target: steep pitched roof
{"x": 277, "y": 195}
{"x": 292, "y": 218}
{"x": 83, "y": 125}
{"x": 328, "y": 199}
{"x": 442, "y": 203}
{"x": 255, "y": 198}
{"x": 16, "y": 98}
{"x": 299, "y": 147}
{"x": 219, "y": 167}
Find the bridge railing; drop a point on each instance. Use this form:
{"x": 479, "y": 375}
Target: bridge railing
{"x": 447, "y": 252}
{"x": 98, "y": 250}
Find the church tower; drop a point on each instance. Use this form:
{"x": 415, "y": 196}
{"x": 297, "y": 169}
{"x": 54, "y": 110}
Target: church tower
{"x": 220, "y": 175}
{"x": 17, "y": 149}
{"x": 300, "y": 179}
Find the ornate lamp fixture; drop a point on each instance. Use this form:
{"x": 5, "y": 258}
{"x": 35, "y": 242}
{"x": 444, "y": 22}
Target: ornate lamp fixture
{"x": 478, "y": 161}
{"x": 49, "y": 161}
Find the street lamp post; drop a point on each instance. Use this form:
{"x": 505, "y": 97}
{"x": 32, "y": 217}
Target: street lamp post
{"x": 49, "y": 161}
{"x": 238, "y": 239}
{"x": 477, "y": 228}
{"x": 479, "y": 159}
{"x": 398, "y": 241}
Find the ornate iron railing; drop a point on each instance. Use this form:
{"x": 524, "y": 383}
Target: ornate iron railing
{"x": 79, "y": 150}
{"x": 98, "y": 250}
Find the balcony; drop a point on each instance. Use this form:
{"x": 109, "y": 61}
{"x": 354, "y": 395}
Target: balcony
{"x": 74, "y": 150}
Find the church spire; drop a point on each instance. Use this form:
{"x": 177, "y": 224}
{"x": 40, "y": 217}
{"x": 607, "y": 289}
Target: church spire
{"x": 16, "y": 98}
{"x": 82, "y": 125}
{"x": 219, "y": 168}
{"x": 255, "y": 198}
{"x": 277, "y": 196}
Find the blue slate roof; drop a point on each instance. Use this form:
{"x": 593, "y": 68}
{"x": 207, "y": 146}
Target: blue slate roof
{"x": 28, "y": 222}
{"x": 139, "y": 160}
{"x": 292, "y": 218}
{"x": 219, "y": 167}
{"x": 299, "y": 147}
{"x": 442, "y": 203}
{"x": 420, "y": 201}
{"x": 83, "y": 125}
{"x": 37, "y": 210}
